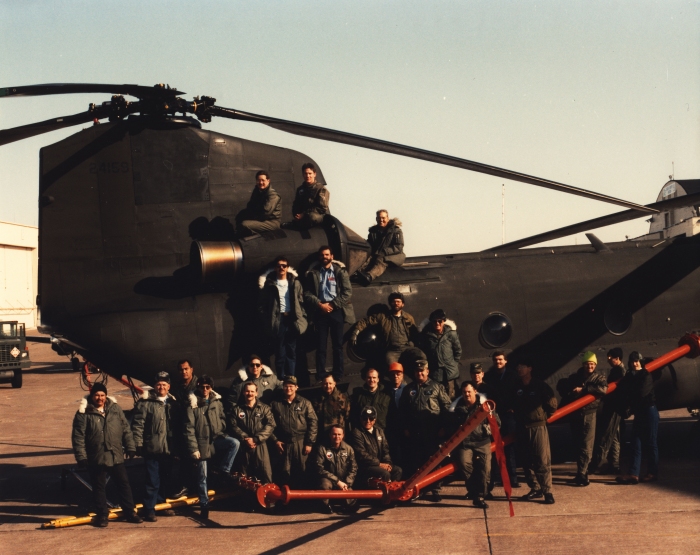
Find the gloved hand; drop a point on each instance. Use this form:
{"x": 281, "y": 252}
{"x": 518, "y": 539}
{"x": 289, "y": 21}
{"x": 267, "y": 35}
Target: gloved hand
{"x": 139, "y": 450}
{"x": 130, "y": 454}
{"x": 196, "y": 455}
{"x": 82, "y": 463}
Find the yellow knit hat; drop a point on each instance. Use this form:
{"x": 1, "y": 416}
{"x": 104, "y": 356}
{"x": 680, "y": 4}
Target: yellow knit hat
{"x": 589, "y": 356}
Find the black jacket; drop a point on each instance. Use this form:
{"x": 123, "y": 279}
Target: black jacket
{"x": 636, "y": 392}
{"x": 343, "y": 299}
{"x": 363, "y": 397}
{"x": 593, "y": 384}
{"x": 371, "y": 449}
{"x": 387, "y": 242}
{"x": 532, "y": 403}
{"x": 269, "y": 303}
{"x": 424, "y": 406}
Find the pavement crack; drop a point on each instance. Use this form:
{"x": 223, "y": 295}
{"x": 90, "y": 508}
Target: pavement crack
{"x": 488, "y": 534}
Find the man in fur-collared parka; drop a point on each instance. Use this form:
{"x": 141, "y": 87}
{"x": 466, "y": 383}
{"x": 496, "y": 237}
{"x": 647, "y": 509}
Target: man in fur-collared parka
{"x": 386, "y": 242}
{"x": 261, "y": 375}
{"x": 101, "y": 441}
{"x": 440, "y": 343}
{"x": 281, "y": 313}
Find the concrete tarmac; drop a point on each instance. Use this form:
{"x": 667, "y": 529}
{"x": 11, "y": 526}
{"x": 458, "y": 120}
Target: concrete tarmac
{"x": 603, "y": 518}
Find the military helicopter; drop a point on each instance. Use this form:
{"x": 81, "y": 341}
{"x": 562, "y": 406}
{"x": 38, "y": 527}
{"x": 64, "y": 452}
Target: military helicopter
{"x": 139, "y": 264}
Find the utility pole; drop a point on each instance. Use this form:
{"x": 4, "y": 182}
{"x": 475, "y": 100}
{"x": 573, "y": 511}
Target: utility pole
{"x": 503, "y": 214}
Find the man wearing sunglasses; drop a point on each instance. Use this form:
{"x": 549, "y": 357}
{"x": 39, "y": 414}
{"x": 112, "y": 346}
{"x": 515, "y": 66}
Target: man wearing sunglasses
{"x": 261, "y": 375}
{"x": 205, "y": 434}
{"x": 281, "y": 313}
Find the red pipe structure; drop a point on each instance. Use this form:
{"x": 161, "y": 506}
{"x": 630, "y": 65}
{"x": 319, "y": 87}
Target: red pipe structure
{"x": 689, "y": 345}
{"x": 387, "y": 492}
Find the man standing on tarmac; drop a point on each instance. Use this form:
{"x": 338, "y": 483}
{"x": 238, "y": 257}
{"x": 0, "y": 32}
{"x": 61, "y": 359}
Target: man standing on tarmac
{"x": 153, "y": 426}
{"x": 180, "y": 389}
{"x": 328, "y": 295}
{"x": 532, "y": 402}
{"x": 501, "y": 381}
{"x": 440, "y": 342}
{"x": 252, "y": 423}
{"x": 474, "y": 453}
{"x": 398, "y": 328}
{"x": 585, "y": 381}
{"x": 606, "y": 454}
{"x": 205, "y": 433}
{"x": 295, "y": 434}
{"x": 424, "y": 405}
{"x": 101, "y": 441}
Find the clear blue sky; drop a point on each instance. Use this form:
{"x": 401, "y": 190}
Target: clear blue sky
{"x": 602, "y": 95}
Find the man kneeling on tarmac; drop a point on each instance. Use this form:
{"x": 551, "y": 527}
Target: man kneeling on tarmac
{"x": 372, "y": 450}
{"x": 336, "y": 467}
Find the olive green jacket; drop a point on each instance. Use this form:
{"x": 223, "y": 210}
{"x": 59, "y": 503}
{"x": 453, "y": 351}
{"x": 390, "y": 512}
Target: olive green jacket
{"x": 98, "y": 439}
{"x": 153, "y": 424}
{"x": 204, "y": 422}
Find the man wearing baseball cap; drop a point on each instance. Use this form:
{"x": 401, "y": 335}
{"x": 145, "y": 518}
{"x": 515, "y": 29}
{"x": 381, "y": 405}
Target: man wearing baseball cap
{"x": 585, "y": 381}
{"x": 152, "y": 426}
{"x": 372, "y": 449}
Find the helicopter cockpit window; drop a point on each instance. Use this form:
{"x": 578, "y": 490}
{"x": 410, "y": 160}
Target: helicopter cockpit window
{"x": 617, "y": 319}
{"x": 496, "y": 330}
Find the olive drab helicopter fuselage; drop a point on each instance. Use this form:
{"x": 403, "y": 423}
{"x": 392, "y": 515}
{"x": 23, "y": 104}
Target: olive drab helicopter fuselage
{"x": 139, "y": 265}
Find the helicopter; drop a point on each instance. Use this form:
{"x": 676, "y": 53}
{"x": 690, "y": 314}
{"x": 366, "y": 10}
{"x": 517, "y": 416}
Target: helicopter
{"x": 140, "y": 265}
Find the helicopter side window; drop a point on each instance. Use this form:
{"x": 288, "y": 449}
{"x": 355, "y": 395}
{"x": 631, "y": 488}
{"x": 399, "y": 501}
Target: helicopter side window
{"x": 496, "y": 330}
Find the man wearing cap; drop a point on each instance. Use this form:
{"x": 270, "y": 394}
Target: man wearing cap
{"x": 252, "y": 423}
{"x": 205, "y": 434}
{"x": 606, "y": 453}
{"x": 335, "y": 466}
{"x": 533, "y": 401}
{"x": 101, "y": 441}
{"x": 476, "y": 373}
{"x": 331, "y": 406}
{"x": 502, "y": 381}
{"x": 474, "y": 453}
{"x": 328, "y": 296}
{"x": 440, "y": 342}
{"x": 261, "y": 375}
{"x": 399, "y": 331}
{"x": 295, "y": 434}
{"x": 154, "y": 435}
{"x": 371, "y": 394}
{"x": 585, "y": 381}
{"x": 372, "y": 449}
{"x": 424, "y": 405}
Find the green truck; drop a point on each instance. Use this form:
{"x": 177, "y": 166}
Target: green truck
{"x": 14, "y": 355}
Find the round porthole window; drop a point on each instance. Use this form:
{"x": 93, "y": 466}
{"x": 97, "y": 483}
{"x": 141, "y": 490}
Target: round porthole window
{"x": 496, "y": 330}
{"x": 617, "y": 319}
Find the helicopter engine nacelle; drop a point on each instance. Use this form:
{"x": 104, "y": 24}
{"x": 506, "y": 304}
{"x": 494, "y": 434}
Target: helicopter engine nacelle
{"x": 218, "y": 262}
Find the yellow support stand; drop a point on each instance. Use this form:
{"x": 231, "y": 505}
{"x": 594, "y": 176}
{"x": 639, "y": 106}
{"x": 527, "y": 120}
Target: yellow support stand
{"x": 115, "y": 513}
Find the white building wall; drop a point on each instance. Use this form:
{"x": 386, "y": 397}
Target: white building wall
{"x": 18, "y": 273}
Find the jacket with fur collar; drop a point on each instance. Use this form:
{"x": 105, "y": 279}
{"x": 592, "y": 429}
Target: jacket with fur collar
{"x": 269, "y": 314}
{"x": 343, "y": 299}
{"x": 204, "y": 422}
{"x": 443, "y": 351}
{"x": 98, "y": 438}
{"x": 154, "y": 424}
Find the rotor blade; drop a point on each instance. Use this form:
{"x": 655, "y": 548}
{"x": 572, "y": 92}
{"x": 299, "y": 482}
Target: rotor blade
{"x": 603, "y": 221}
{"x": 25, "y": 131}
{"x": 70, "y": 88}
{"x": 412, "y": 152}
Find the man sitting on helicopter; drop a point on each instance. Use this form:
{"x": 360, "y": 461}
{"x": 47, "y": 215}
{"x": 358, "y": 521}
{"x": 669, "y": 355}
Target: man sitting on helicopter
{"x": 311, "y": 202}
{"x": 386, "y": 241}
{"x": 264, "y": 209}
